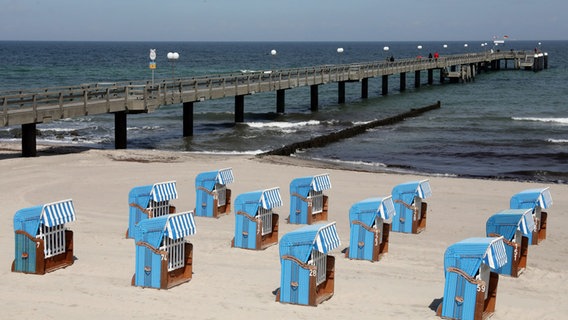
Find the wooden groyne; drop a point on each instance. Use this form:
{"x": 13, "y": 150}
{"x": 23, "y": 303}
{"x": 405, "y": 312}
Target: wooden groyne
{"x": 324, "y": 140}
{"x": 31, "y": 107}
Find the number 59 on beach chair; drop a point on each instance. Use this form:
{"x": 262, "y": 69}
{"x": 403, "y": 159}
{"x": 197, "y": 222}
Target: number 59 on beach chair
{"x": 470, "y": 289}
{"x": 43, "y": 244}
{"x": 150, "y": 201}
{"x": 536, "y": 200}
{"x": 213, "y": 198}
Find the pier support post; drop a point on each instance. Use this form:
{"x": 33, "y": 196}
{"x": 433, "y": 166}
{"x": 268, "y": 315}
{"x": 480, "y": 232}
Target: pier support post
{"x": 364, "y": 88}
{"x": 120, "y": 130}
{"x": 545, "y": 60}
{"x": 430, "y": 76}
{"x": 280, "y": 100}
{"x": 385, "y": 90}
{"x": 417, "y": 79}
{"x": 188, "y": 119}
{"x": 314, "y": 97}
{"x": 341, "y": 92}
{"x": 442, "y": 75}
{"x": 29, "y": 146}
{"x": 240, "y": 108}
{"x": 402, "y": 81}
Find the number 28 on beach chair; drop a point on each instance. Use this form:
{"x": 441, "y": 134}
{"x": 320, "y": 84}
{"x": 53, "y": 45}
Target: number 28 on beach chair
{"x": 308, "y": 203}
{"x": 256, "y": 226}
{"x": 163, "y": 257}
{"x": 150, "y": 201}
{"x": 470, "y": 289}
{"x": 536, "y": 200}
{"x": 307, "y": 271}
{"x": 43, "y": 244}
{"x": 410, "y": 209}
{"x": 515, "y": 225}
{"x": 213, "y": 198}
{"x": 369, "y": 228}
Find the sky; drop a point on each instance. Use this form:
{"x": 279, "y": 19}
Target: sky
{"x": 283, "y": 20}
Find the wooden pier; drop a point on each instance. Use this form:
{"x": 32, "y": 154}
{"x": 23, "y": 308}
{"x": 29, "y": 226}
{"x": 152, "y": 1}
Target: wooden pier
{"x": 35, "y": 106}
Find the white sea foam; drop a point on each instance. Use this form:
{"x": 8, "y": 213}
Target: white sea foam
{"x": 557, "y": 140}
{"x": 535, "y": 119}
{"x": 251, "y": 152}
{"x": 283, "y": 125}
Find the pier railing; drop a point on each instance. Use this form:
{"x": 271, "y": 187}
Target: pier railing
{"x": 47, "y": 104}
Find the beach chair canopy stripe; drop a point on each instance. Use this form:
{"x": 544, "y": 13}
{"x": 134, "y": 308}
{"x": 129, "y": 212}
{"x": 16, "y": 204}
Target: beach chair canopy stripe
{"x": 299, "y": 243}
{"x": 271, "y": 198}
{"x": 532, "y": 198}
{"x": 468, "y": 254}
{"x": 507, "y": 222}
{"x": 180, "y": 225}
{"x": 164, "y": 191}
{"x": 327, "y": 239}
{"x": 423, "y": 190}
{"x": 57, "y": 213}
{"x": 321, "y": 182}
{"x": 225, "y": 176}
{"x": 386, "y": 209}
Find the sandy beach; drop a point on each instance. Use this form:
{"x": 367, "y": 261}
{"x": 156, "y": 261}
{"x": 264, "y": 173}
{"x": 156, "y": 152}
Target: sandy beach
{"x": 231, "y": 283}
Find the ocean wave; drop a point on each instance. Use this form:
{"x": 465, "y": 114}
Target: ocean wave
{"x": 283, "y": 125}
{"x": 557, "y": 140}
{"x": 232, "y": 153}
{"x": 144, "y": 128}
{"x": 534, "y": 119}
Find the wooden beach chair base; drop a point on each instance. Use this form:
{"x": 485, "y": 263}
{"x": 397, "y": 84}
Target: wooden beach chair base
{"x": 170, "y": 279}
{"x": 26, "y": 243}
{"x": 318, "y": 294}
{"x": 419, "y": 225}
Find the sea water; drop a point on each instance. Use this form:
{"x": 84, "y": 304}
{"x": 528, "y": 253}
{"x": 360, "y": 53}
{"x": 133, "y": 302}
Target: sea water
{"x": 508, "y": 124}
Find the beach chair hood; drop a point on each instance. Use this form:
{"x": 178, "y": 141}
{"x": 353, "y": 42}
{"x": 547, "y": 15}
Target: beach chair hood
{"x": 158, "y": 192}
{"x": 302, "y": 186}
{"x": 173, "y": 226}
{"x": 322, "y": 237}
{"x": 532, "y": 198}
{"x": 507, "y": 222}
{"x": 407, "y": 191}
{"x": 51, "y": 215}
{"x": 367, "y": 210}
{"x": 468, "y": 254}
{"x": 208, "y": 179}
{"x": 250, "y": 201}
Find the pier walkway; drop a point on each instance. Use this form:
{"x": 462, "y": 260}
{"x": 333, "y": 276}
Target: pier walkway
{"x": 35, "y": 106}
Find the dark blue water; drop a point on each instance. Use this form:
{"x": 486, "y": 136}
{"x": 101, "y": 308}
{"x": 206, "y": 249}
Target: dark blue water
{"x": 511, "y": 124}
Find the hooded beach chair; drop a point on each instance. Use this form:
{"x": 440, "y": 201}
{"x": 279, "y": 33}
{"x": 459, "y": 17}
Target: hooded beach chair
{"x": 256, "y": 226}
{"x": 150, "y": 201}
{"x": 470, "y": 289}
{"x": 163, "y": 257}
{"x": 308, "y": 204}
{"x": 515, "y": 226}
{"x": 43, "y": 244}
{"x": 369, "y": 222}
{"x": 536, "y": 200}
{"x": 213, "y": 198}
{"x": 410, "y": 209}
{"x": 307, "y": 271}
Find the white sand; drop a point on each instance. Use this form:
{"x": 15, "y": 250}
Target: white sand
{"x": 231, "y": 283}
